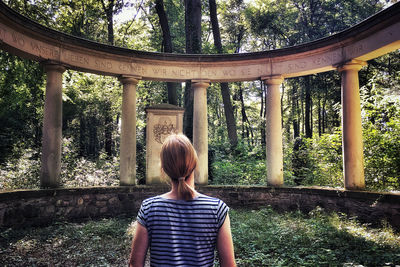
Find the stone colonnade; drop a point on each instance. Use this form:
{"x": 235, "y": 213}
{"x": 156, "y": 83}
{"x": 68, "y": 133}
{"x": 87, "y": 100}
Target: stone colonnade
{"x": 351, "y": 123}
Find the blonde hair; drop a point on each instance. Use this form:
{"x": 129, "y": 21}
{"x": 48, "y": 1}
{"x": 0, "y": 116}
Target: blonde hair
{"x": 178, "y": 161}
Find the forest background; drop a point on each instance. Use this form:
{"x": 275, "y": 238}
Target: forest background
{"x": 311, "y": 105}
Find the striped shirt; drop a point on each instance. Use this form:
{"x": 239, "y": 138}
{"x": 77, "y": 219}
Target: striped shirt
{"x": 182, "y": 233}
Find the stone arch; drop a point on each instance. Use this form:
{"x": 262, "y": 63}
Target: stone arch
{"x": 346, "y": 51}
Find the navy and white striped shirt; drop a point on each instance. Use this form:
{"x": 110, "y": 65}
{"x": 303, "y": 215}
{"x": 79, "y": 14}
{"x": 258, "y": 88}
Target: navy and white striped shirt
{"x": 182, "y": 233}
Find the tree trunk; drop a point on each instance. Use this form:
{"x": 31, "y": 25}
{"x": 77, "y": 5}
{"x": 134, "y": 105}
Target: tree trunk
{"x": 93, "y": 138}
{"x": 82, "y": 136}
{"x": 296, "y": 128}
{"x": 193, "y": 26}
{"x": 108, "y": 130}
{"x": 307, "y": 109}
{"x": 263, "y": 114}
{"x": 324, "y": 124}
{"x": 226, "y": 97}
{"x": 167, "y": 47}
{"x": 109, "y": 10}
{"x": 188, "y": 114}
{"x": 282, "y": 94}
{"x": 319, "y": 117}
{"x": 229, "y": 116}
{"x": 193, "y": 46}
{"x": 245, "y": 120}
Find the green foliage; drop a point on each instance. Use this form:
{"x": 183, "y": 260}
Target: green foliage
{"x": 22, "y": 172}
{"x": 261, "y": 238}
{"x": 21, "y": 105}
{"x": 267, "y": 238}
{"x": 318, "y": 161}
{"x": 304, "y": 20}
{"x": 243, "y": 165}
{"x": 94, "y": 243}
{"x": 78, "y": 171}
{"x": 328, "y": 155}
{"x": 382, "y": 158}
{"x": 381, "y": 127}
{"x": 92, "y": 106}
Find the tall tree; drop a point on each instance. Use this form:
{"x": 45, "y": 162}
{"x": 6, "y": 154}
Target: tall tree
{"x": 226, "y": 98}
{"x": 109, "y": 10}
{"x": 110, "y": 7}
{"x": 308, "y": 107}
{"x": 193, "y": 46}
{"x": 166, "y": 47}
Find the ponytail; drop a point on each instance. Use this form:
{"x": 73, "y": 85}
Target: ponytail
{"x": 178, "y": 160}
{"x": 185, "y": 192}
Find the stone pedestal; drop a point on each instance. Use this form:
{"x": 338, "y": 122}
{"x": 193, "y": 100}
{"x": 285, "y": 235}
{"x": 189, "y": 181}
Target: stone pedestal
{"x": 162, "y": 120}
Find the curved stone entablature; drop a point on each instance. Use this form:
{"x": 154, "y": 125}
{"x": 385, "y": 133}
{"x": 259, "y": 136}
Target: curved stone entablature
{"x": 371, "y": 38}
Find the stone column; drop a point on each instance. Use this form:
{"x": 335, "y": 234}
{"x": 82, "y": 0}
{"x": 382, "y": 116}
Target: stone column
{"x": 200, "y": 129}
{"x": 52, "y": 127}
{"x": 352, "y": 143}
{"x": 128, "y": 131}
{"x": 274, "y": 131}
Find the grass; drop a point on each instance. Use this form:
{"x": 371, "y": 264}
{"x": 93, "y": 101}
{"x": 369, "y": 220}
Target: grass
{"x": 94, "y": 243}
{"x": 267, "y": 238}
{"x": 262, "y": 238}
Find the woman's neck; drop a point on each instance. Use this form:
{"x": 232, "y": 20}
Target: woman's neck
{"x": 173, "y": 194}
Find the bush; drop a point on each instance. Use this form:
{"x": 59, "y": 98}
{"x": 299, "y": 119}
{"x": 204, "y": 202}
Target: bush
{"x": 382, "y": 156}
{"x": 21, "y": 173}
{"x": 244, "y": 165}
{"x": 82, "y": 172}
{"x": 318, "y": 161}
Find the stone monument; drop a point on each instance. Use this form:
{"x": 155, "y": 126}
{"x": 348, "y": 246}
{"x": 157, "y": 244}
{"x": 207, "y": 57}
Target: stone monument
{"x": 162, "y": 120}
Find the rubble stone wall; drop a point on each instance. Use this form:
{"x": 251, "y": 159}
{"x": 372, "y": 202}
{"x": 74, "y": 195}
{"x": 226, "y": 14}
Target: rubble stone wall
{"x": 41, "y": 207}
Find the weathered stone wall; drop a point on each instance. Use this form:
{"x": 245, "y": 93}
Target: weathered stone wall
{"x": 41, "y": 207}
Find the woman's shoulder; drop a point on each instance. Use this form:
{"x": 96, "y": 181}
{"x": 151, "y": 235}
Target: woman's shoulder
{"x": 150, "y": 200}
{"x": 199, "y": 199}
{"x": 210, "y": 199}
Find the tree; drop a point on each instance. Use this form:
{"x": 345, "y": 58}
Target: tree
{"x": 193, "y": 46}
{"x": 308, "y": 108}
{"x": 167, "y": 47}
{"x": 21, "y": 106}
{"x": 226, "y": 97}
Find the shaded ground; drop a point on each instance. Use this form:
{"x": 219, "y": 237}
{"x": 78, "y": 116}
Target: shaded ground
{"x": 262, "y": 238}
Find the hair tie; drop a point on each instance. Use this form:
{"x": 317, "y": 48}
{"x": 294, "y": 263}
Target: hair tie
{"x": 181, "y": 179}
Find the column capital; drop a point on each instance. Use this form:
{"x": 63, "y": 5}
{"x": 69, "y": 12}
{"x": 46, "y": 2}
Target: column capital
{"x": 205, "y": 83}
{"x": 127, "y": 79}
{"x": 274, "y": 79}
{"x": 53, "y": 66}
{"x": 353, "y": 64}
